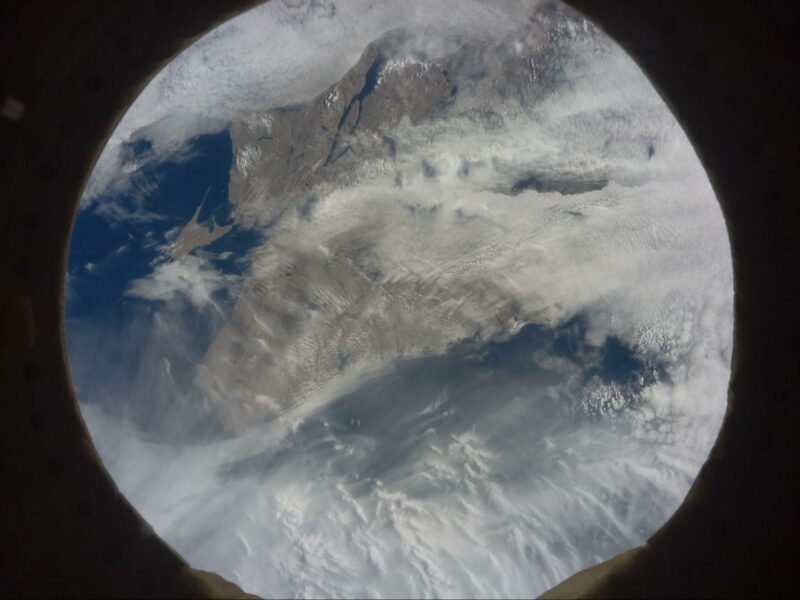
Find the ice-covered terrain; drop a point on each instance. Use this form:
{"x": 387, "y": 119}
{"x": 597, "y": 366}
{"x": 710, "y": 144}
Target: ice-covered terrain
{"x": 460, "y": 325}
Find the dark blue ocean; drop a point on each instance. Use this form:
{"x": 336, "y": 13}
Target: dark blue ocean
{"x": 122, "y": 251}
{"x": 138, "y": 356}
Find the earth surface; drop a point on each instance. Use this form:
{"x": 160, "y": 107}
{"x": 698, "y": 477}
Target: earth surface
{"x": 401, "y": 299}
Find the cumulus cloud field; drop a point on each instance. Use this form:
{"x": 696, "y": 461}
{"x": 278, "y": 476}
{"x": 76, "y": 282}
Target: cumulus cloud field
{"x": 572, "y": 372}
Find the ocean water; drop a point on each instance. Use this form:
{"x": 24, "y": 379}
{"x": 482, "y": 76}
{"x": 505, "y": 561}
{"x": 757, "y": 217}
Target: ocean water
{"x": 137, "y": 356}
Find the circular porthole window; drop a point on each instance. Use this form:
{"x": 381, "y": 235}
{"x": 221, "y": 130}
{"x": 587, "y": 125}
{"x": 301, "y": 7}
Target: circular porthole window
{"x": 375, "y": 299}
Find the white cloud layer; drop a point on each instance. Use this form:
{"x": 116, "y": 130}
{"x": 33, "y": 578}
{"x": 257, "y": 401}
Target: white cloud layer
{"x": 278, "y": 53}
{"x": 438, "y": 476}
{"x": 461, "y": 253}
{"x": 190, "y": 278}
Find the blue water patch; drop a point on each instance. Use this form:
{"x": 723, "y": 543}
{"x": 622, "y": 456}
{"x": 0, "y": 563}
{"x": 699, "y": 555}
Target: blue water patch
{"x": 612, "y": 362}
{"x": 107, "y": 254}
{"x": 230, "y": 253}
{"x": 136, "y": 356}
